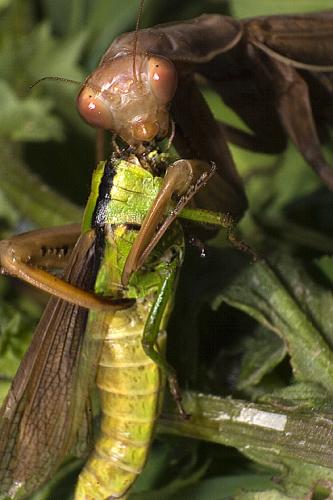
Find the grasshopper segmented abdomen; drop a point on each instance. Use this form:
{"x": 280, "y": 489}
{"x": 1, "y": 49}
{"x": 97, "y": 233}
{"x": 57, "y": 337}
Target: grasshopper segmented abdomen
{"x": 129, "y": 385}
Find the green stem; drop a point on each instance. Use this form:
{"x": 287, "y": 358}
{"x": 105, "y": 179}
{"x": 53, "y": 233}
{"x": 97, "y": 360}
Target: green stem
{"x": 271, "y": 435}
{"x": 30, "y": 196}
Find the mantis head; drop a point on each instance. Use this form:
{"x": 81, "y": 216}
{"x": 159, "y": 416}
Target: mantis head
{"x": 131, "y": 100}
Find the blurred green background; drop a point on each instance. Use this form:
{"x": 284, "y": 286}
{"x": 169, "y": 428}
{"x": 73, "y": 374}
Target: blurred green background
{"x": 222, "y": 334}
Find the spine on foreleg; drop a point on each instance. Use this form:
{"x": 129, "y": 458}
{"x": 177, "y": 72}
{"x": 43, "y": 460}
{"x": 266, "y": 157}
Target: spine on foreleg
{"x": 129, "y": 386}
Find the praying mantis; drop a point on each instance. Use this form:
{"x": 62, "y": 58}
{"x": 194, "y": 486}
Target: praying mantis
{"x": 119, "y": 269}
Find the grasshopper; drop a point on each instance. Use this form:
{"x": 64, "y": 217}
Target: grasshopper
{"x": 101, "y": 327}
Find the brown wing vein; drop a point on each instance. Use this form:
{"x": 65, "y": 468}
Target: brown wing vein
{"x": 37, "y": 428}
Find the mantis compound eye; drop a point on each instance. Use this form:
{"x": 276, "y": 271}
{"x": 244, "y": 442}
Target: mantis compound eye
{"x": 162, "y": 78}
{"x": 94, "y": 109}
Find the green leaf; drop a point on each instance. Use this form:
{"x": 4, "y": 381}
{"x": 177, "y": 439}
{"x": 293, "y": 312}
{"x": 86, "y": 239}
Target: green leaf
{"x": 106, "y": 21}
{"x": 16, "y": 323}
{"x": 34, "y": 200}
{"x": 263, "y": 495}
{"x": 243, "y": 8}
{"x": 325, "y": 264}
{"x": 28, "y": 57}
{"x": 67, "y": 17}
{"x": 262, "y": 354}
{"x": 32, "y": 55}
{"x": 27, "y": 119}
{"x": 220, "y": 488}
{"x": 298, "y": 396}
{"x": 285, "y": 300}
{"x": 4, "y": 3}
{"x": 54, "y": 57}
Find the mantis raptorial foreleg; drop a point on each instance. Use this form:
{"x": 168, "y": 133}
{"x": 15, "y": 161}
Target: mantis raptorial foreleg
{"x": 50, "y": 248}
{"x": 183, "y": 178}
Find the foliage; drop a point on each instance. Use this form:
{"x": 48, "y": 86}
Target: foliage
{"x": 261, "y": 332}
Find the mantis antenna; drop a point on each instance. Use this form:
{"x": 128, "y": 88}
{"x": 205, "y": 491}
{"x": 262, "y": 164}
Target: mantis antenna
{"x": 136, "y": 35}
{"x": 57, "y": 78}
{"x": 66, "y": 80}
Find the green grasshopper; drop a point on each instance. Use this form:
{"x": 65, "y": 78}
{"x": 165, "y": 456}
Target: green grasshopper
{"x": 101, "y": 326}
